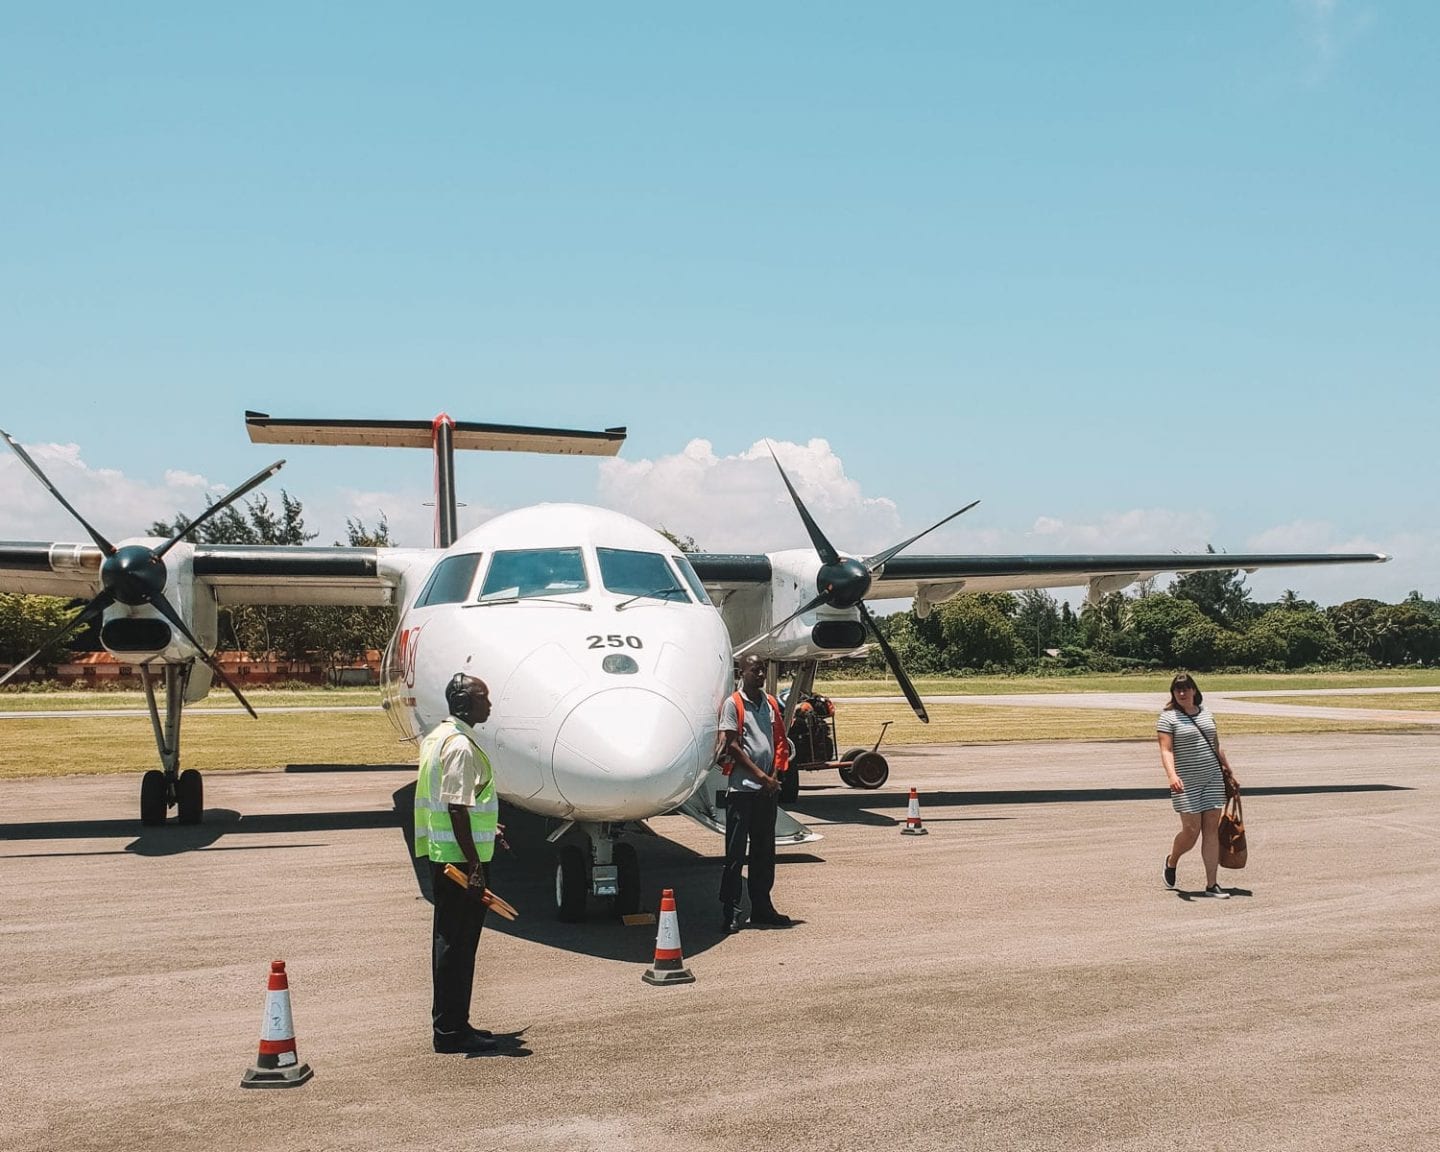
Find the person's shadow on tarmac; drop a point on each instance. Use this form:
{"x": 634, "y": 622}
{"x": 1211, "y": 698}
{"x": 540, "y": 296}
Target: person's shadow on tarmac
{"x": 506, "y": 1044}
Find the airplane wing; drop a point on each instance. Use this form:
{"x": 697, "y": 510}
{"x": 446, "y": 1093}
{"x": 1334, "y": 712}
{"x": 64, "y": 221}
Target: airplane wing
{"x": 236, "y": 573}
{"x": 906, "y": 576}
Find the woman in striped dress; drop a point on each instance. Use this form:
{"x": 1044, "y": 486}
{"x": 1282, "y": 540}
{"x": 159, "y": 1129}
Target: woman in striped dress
{"x": 1198, "y": 772}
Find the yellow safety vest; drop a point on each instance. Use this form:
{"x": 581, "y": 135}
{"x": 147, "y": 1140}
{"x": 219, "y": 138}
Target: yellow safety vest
{"x": 434, "y": 835}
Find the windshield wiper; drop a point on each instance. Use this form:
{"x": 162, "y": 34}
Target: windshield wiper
{"x": 530, "y": 600}
{"x": 665, "y": 592}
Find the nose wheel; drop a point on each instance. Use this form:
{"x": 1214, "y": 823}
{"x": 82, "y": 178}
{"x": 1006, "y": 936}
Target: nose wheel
{"x": 609, "y": 869}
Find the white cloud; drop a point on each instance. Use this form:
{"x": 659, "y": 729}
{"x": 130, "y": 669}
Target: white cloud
{"x": 116, "y": 505}
{"x": 738, "y": 503}
{"x": 174, "y": 478}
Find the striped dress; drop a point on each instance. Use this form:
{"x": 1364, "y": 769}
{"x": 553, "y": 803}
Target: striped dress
{"x": 1195, "y": 763}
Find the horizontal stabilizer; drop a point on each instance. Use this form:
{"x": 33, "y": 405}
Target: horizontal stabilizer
{"x": 265, "y": 429}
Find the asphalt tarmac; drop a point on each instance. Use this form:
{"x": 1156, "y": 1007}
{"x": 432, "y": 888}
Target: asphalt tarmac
{"x": 1019, "y": 978}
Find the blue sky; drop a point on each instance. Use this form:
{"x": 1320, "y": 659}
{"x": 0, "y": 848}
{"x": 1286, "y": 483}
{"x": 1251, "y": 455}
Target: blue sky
{"x": 1137, "y": 275}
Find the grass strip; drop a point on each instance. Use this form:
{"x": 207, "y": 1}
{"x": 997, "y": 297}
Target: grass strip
{"x": 1406, "y": 702}
{"x": 97, "y": 745}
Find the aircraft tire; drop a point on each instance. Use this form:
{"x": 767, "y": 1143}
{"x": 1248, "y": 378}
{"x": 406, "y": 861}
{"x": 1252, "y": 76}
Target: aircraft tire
{"x": 870, "y": 770}
{"x": 790, "y": 785}
{"x": 190, "y": 797}
{"x": 854, "y": 754}
{"x": 572, "y": 885}
{"x": 152, "y": 798}
{"x": 627, "y": 868}
{"x": 846, "y": 776}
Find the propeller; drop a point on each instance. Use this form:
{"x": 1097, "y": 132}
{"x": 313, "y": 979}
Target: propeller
{"x": 135, "y": 574}
{"x": 843, "y": 581}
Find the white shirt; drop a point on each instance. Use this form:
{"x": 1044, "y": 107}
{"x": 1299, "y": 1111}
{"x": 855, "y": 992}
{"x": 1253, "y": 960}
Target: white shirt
{"x": 460, "y": 778}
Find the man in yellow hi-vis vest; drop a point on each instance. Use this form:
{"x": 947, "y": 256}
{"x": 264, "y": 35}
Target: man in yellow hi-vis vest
{"x": 456, "y": 817}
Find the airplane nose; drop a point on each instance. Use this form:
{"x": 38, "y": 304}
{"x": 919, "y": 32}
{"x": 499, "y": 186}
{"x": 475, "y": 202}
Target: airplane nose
{"x": 624, "y": 754}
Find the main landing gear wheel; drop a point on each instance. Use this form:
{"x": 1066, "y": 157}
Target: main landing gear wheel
{"x": 153, "y": 800}
{"x": 870, "y": 770}
{"x": 627, "y": 875}
{"x": 572, "y": 884}
{"x": 190, "y": 797}
{"x": 790, "y": 785}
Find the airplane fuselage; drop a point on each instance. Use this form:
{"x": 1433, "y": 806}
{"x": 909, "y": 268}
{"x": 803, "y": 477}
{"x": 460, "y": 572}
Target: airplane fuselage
{"x": 606, "y": 662}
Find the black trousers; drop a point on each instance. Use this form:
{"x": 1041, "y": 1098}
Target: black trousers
{"x": 749, "y": 816}
{"x": 458, "y": 920}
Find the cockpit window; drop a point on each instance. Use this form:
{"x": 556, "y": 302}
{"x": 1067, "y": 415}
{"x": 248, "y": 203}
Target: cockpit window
{"x": 692, "y": 578}
{"x": 450, "y": 582}
{"x": 531, "y": 572}
{"x": 629, "y": 573}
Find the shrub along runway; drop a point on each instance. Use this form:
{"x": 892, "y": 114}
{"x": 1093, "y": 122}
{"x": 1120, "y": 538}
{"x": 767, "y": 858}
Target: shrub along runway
{"x": 1017, "y": 979}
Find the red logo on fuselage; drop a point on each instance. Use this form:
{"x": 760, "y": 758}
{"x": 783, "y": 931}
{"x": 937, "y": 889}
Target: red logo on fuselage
{"x": 405, "y": 652}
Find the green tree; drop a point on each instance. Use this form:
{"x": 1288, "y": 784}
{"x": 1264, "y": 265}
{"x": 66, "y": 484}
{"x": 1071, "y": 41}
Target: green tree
{"x": 903, "y": 630}
{"x": 1220, "y": 595}
{"x": 1037, "y": 620}
{"x": 1303, "y": 635}
{"x": 1404, "y": 634}
{"x": 1152, "y": 625}
{"x": 25, "y": 622}
{"x": 977, "y": 631}
{"x": 1353, "y": 625}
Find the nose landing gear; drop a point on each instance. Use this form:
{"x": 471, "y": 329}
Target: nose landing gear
{"x": 610, "y": 869}
{"x": 161, "y": 790}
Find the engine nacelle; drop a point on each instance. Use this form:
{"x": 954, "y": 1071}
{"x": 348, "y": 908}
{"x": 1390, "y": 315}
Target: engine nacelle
{"x": 820, "y": 633}
{"x": 138, "y": 633}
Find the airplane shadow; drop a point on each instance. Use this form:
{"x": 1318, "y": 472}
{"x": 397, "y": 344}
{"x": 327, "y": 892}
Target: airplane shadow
{"x": 857, "y": 807}
{"x": 171, "y": 839}
{"x": 525, "y": 876}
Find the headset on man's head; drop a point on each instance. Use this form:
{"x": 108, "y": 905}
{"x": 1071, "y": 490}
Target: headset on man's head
{"x": 457, "y": 694}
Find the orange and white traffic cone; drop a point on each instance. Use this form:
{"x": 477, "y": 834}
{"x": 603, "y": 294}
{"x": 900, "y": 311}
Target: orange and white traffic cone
{"x": 278, "y": 1065}
{"x": 913, "y": 827}
{"x": 669, "y": 966}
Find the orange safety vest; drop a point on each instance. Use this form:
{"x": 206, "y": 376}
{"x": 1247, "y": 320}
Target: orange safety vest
{"x": 777, "y": 718}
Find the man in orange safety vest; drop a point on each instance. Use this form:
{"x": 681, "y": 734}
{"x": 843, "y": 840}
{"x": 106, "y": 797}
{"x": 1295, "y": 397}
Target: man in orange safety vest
{"x": 754, "y": 754}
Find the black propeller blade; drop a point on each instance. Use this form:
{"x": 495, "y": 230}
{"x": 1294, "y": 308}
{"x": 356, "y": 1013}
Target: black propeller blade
{"x": 823, "y": 547}
{"x": 220, "y": 505}
{"x": 163, "y": 606}
{"x": 104, "y": 545}
{"x": 895, "y": 666}
{"x": 135, "y": 574}
{"x": 843, "y": 581}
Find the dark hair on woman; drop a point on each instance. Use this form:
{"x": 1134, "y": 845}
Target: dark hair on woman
{"x": 1183, "y": 680}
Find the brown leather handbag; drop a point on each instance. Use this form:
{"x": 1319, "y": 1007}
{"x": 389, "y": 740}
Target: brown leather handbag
{"x": 1233, "y": 852}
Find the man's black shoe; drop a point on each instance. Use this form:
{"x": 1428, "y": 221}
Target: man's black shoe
{"x": 471, "y": 1044}
{"x": 773, "y": 918}
{"x": 730, "y": 920}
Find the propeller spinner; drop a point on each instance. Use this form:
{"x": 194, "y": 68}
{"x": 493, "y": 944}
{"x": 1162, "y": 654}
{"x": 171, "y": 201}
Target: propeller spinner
{"x": 843, "y": 582}
{"x": 135, "y": 574}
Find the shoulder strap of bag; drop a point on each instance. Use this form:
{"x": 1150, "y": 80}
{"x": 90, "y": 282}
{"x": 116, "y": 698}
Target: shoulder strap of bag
{"x": 1202, "y": 736}
{"x": 1230, "y": 789}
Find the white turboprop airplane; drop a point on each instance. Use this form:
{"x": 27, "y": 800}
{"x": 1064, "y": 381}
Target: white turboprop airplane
{"x": 606, "y": 650}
